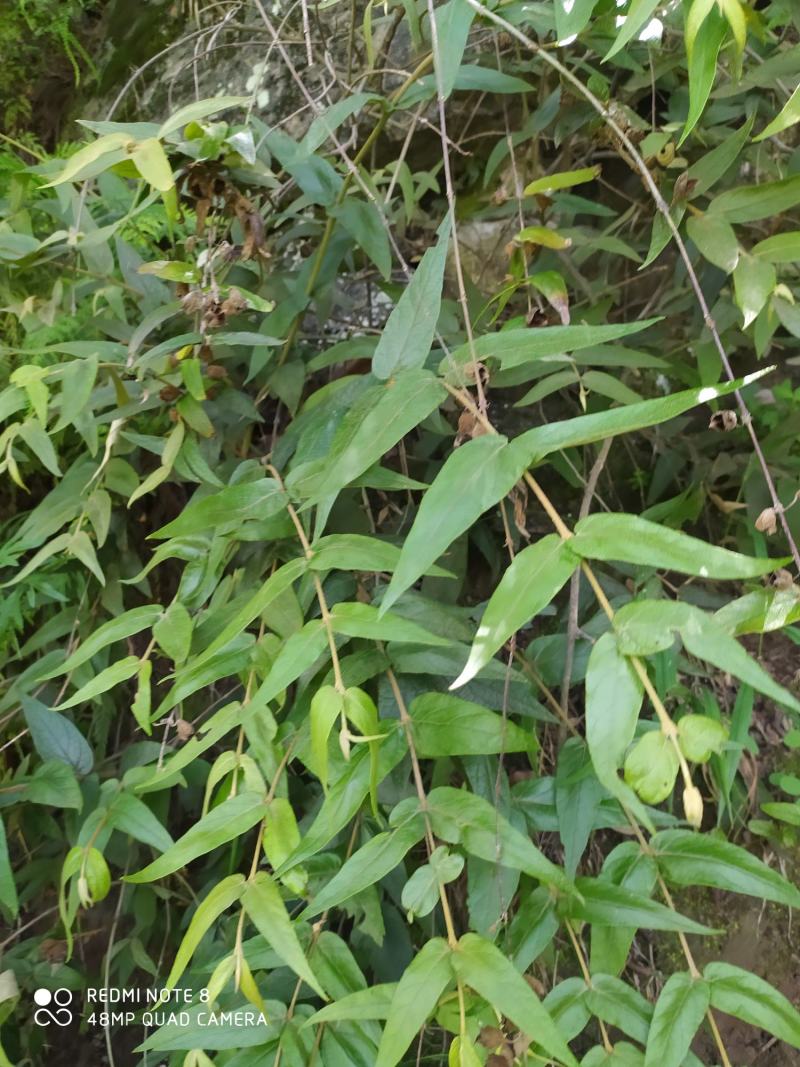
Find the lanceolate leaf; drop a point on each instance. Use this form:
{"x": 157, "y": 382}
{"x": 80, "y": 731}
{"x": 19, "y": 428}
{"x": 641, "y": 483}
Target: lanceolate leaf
{"x": 587, "y": 428}
{"x": 461, "y": 817}
{"x": 473, "y": 478}
{"x": 603, "y": 904}
{"x": 407, "y": 336}
{"x": 678, "y": 1013}
{"x": 220, "y": 898}
{"x": 383, "y": 416}
{"x": 613, "y": 700}
{"x": 265, "y": 908}
{"x": 374, "y": 861}
{"x": 415, "y": 998}
{"x": 444, "y": 725}
{"x": 222, "y": 825}
{"x": 685, "y": 858}
{"x": 635, "y": 540}
{"x": 748, "y": 997}
{"x": 528, "y": 585}
{"x": 485, "y": 969}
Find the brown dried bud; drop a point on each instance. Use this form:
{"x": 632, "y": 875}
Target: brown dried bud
{"x": 693, "y": 806}
{"x": 169, "y": 393}
{"x": 490, "y": 1037}
{"x": 193, "y": 301}
{"x": 206, "y": 353}
{"x": 782, "y": 579}
{"x": 216, "y": 370}
{"x": 234, "y": 302}
{"x": 767, "y": 521}
{"x": 173, "y": 415}
{"x": 724, "y": 420}
{"x": 184, "y": 729}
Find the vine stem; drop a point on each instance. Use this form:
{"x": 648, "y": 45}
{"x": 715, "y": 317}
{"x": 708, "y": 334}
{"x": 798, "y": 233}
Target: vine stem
{"x": 308, "y": 552}
{"x": 635, "y": 158}
{"x": 667, "y": 725}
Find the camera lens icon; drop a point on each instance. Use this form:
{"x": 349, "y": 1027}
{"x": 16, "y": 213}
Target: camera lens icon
{"x": 61, "y": 1014}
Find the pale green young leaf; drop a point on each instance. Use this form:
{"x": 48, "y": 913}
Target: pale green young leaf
{"x": 786, "y": 117}
{"x": 563, "y": 179}
{"x": 327, "y": 705}
{"x": 198, "y": 110}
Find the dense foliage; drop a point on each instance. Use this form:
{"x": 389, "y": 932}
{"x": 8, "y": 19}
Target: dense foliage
{"x": 396, "y": 532}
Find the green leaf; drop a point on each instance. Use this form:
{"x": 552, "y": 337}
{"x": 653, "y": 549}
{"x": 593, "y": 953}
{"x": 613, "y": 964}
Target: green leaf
{"x": 651, "y": 767}
{"x": 631, "y": 539}
{"x": 364, "y": 620}
{"x": 232, "y": 505}
{"x": 700, "y": 737}
{"x": 105, "y": 680}
{"x": 459, "y": 817}
{"x": 585, "y": 429}
{"x": 715, "y": 240}
{"x": 786, "y": 117}
{"x": 223, "y": 824}
{"x": 8, "y": 891}
{"x": 453, "y": 22}
{"x": 372, "y": 1003}
{"x": 363, "y": 222}
{"x": 275, "y": 586}
{"x": 406, "y": 339}
{"x": 217, "y": 901}
{"x": 383, "y": 415}
{"x": 485, "y": 969}
{"x": 444, "y": 725}
{"x": 264, "y": 907}
{"x": 415, "y": 999}
{"x": 678, "y": 1014}
{"x": 578, "y": 792}
{"x": 512, "y": 348}
{"x": 117, "y": 629}
{"x": 55, "y": 737}
{"x": 356, "y": 552}
{"x": 749, "y": 203}
{"x": 327, "y": 705}
{"x": 200, "y": 109}
{"x": 85, "y": 157}
{"x": 54, "y": 783}
{"x": 753, "y": 283}
{"x": 567, "y": 178}
{"x": 132, "y": 816}
{"x": 703, "y": 64}
{"x": 616, "y": 1003}
{"x": 686, "y": 858}
{"x": 368, "y": 866}
{"x": 152, "y": 163}
{"x": 421, "y": 892}
{"x": 638, "y": 15}
{"x": 782, "y": 248}
{"x": 473, "y": 478}
{"x": 529, "y": 584}
{"x": 602, "y": 903}
{"x": 173, "y": 632}
{"x": 749, "y": 998}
